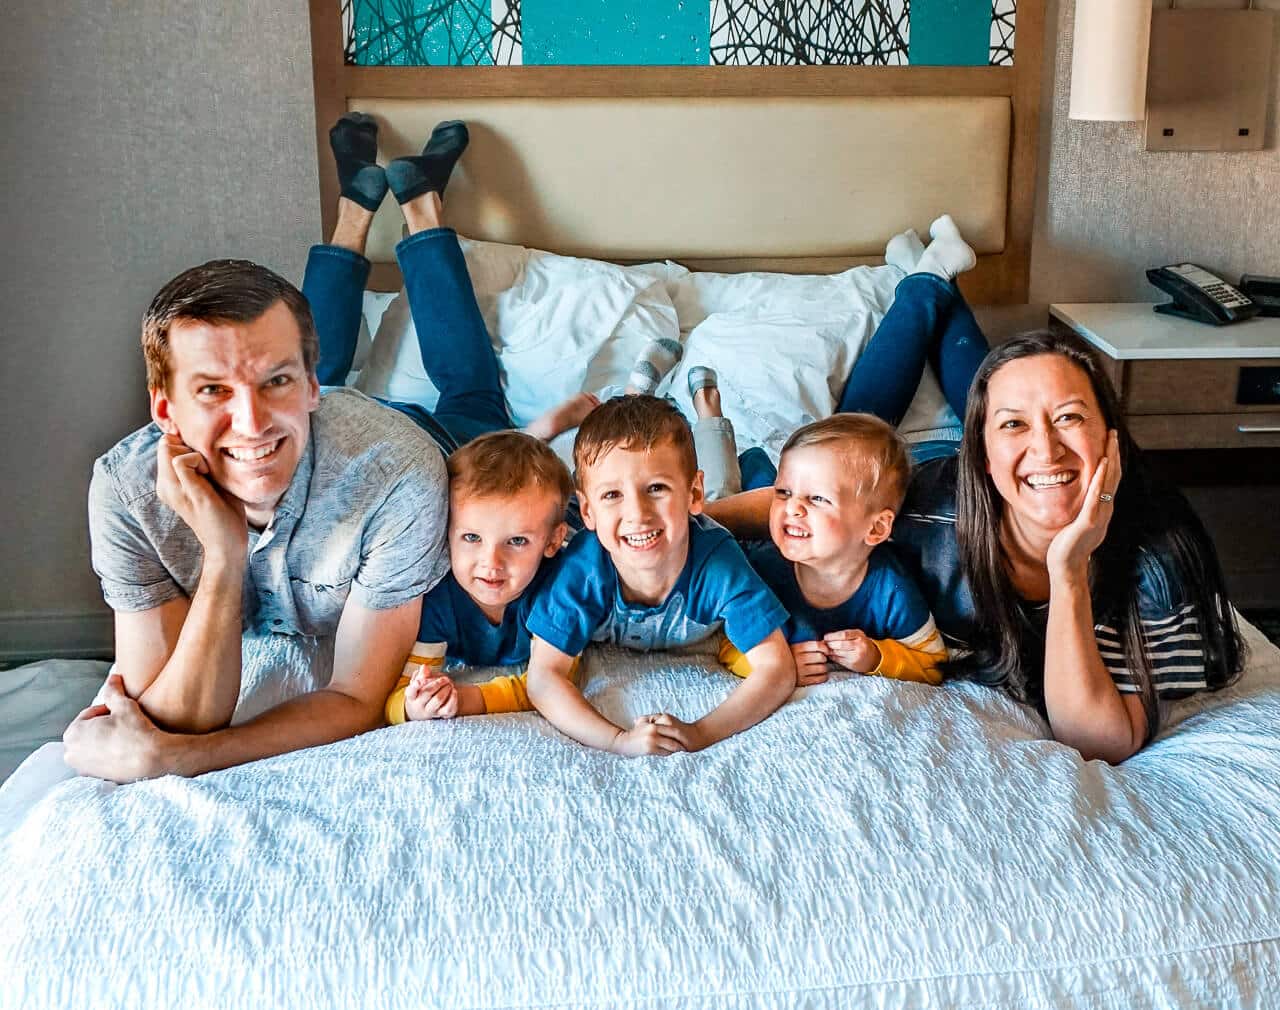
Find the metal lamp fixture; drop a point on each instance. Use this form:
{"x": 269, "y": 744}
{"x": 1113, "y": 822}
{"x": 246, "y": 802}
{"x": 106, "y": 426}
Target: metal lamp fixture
{"x": 1109, "y": 59}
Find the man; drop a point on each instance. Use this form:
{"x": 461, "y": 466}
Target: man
{"x": 251, "y": 510}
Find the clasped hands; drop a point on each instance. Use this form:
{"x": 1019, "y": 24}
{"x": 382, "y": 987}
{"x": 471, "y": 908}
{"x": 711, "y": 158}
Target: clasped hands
{"x": 850, "y": 648}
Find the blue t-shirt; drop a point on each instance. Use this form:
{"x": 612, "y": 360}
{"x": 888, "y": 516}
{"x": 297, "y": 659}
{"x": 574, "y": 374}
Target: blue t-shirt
{"x": 449, "y": 615}
{"x": 888, "y": 604}
{"x": 717, "y": 589}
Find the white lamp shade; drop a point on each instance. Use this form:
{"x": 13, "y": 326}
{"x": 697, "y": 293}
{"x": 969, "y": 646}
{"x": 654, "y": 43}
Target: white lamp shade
{"x": 1109, "y": 59}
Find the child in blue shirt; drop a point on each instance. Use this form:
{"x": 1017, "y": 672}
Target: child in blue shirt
{"x": 853, "y": 606}
{"x": 507, "y": 498}
{"x": 652, "y": 573}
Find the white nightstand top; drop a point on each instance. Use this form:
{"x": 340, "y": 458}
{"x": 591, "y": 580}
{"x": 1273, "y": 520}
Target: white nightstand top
{"x": 1133, "y": 330}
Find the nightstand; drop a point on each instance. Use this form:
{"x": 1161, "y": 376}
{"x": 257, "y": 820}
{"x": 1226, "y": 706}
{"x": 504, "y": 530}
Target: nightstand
{"x": 1186, "y": 385}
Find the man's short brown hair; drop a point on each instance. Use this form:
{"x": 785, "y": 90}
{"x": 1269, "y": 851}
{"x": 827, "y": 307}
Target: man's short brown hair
{"x": 635, "y": 423}
{"x": 220, "y": 291}
{"x": 875, "y": 454}
{"x": 504, "y": 463}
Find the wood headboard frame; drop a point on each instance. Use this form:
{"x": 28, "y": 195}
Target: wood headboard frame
{"x": 1000, "y": 278}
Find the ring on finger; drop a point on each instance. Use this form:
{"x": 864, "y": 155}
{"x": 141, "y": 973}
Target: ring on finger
{"x": 1106, "y": 498}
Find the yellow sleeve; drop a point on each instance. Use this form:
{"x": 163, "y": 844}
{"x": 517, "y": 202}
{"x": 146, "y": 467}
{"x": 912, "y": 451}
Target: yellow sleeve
{"x": 511, "y": 693}
{"x": 424, "y": 654}
{"x": 734, "y": 659}
{"x": 913, "y": 658}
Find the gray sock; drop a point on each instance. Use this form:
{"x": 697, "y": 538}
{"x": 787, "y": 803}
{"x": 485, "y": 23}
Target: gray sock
{"x": 654, "y": 363}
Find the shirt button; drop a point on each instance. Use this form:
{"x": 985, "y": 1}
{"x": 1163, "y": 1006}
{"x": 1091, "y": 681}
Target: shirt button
{"x": 277, "y": 621}
{"x": 268, "y": 592}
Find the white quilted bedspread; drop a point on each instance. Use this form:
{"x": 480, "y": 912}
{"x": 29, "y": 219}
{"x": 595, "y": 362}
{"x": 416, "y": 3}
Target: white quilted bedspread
{"x": 872, "y": 844}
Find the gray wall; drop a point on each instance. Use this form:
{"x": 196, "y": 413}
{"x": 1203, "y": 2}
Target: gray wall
{"x": 156, "y": 135}
{"x": 139, "y": 138}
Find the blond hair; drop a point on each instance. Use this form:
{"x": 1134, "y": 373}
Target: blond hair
{"x": 875, "y": 454}
{"x": 504, "y": 463}
{"x": 637, "y": 423}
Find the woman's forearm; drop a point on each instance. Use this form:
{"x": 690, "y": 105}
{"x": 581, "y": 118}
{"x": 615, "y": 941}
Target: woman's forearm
{"x": 1085, "y": 709}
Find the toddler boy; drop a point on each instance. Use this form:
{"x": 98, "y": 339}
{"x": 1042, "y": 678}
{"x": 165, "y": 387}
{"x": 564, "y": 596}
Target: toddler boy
{"x": 507, "y": 498}
{"x": 840, "y": 483}
{"x": 652, "y": 573}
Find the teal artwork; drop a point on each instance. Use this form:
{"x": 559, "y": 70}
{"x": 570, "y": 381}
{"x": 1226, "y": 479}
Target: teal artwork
{"x": 615, "y": 33}
{"x": 949, "y": 33}
{"x": 679, "y": 32}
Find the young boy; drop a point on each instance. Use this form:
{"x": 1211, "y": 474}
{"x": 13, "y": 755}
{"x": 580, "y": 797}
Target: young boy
{"x": 652, "y": 573}
{"x": 507, "y": 498}
{"x": 840, "y": 483}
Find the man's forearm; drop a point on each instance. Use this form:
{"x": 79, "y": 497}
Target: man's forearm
{"x": 197, "y": 688}
{"x": 745, "y": 515}
{"x": 308, "y": 721}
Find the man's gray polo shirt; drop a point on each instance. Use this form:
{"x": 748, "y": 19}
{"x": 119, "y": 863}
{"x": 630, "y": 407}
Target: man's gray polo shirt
{"x": 364, "y": 518}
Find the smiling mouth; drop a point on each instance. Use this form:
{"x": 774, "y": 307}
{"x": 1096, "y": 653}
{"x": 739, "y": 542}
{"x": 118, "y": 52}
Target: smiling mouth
{"x": 258, "y": 454}
{"x": 1047, "y": 482}
{"x": 641, "y": 541}
{"x": 797, "y": 532}
{"x": 492, "y": 583}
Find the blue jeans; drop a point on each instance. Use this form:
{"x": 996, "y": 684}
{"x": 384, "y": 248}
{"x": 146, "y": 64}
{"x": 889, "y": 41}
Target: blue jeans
{"x": 928, "y": 322}
{"x": 456, "y": 351}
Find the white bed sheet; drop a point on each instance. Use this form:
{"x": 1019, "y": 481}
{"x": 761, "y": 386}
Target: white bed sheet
{"x": 872, "y": 844}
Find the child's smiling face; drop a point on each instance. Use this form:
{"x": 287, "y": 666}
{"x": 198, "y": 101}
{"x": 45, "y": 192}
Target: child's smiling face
{"x": 638, "y": 502}
{"x": 816, "y": 515}
{"x": 496, "y": 543}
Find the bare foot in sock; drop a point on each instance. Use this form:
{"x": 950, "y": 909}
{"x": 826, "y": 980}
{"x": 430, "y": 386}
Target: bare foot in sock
{"x": 653, "y": 365}
{"x": 904, "y": 251}
{"x": 948, "y": 254}
{"x": 429, "y": 171}
{"x": 560, "y": 418}
{"x": 704, "y": 391}
{"x": 354, "y": 140}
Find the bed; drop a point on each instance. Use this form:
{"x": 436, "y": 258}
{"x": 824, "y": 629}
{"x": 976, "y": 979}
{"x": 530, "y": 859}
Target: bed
{"x": 874, "y": 843}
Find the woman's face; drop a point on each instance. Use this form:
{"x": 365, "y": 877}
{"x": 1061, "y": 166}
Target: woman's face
{"x": 1045, "y": 435}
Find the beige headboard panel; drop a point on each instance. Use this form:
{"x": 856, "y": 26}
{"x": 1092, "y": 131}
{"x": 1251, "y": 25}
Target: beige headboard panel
{"x": 712, "y": 178}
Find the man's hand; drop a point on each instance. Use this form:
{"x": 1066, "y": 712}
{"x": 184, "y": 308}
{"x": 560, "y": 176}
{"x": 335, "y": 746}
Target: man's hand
{"x": 811, "y": 662}
{"x": 216, "y": 518}
{"x": 115, "y": 740}
{"x": 853, "y": 650}
{"x": 430, "y": 696}
{"x": 647, "y": 736}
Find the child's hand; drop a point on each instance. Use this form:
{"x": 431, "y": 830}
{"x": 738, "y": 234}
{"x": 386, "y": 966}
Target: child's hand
{"x": 647, "y": 737}
{"x": 688, "y": 734}
{"x": 853, "y": 650}
{"x": 811, "y": 662}
{"x": 430, "y": 696}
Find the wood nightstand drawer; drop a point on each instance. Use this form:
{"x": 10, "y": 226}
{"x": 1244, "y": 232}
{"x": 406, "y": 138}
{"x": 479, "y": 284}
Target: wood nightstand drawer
{"x": 1254, "y": 430}
{"x": 1206, "y": 386}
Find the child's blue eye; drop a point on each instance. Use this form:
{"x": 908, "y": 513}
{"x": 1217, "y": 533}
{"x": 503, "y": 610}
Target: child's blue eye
{"x": 471, "y": 538}
{"x": 781, "y": 492}
{"x": 518, "y": 541}
{"x": 818, "y": 498}
{"x": 657, "y": 488}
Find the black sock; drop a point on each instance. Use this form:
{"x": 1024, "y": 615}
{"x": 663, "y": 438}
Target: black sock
{"x": 354, "y": 139}
{"x": 429, "y": 171}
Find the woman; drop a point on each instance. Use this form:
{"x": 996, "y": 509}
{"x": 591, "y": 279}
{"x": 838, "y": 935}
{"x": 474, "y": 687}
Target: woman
{"x": 1056, "y": 565}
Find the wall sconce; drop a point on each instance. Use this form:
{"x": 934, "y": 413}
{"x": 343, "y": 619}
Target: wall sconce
{"x": 1200, "y": 77}
{"x": 1109, "y": 59}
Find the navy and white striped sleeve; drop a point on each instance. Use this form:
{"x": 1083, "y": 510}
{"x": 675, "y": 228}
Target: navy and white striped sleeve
{"x": 1171, "y": 635}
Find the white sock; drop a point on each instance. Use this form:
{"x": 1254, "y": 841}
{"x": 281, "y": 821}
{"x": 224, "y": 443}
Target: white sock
{"x": 655, "y": 362}
{"x": 904, "y": 251}
{"x": 948, "y": 254}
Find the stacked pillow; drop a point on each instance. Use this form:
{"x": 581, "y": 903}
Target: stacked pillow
{"x": 782, "y": 344}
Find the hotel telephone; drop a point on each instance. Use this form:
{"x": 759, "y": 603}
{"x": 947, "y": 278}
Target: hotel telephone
{"x": 1201, "y": 296}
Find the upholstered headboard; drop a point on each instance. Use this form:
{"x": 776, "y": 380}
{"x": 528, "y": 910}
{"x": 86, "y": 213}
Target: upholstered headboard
{"x": 799, "y": 169}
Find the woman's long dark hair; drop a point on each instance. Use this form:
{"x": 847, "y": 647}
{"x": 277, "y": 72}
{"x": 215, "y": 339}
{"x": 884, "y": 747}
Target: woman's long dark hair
{"x": 1149, "y": 517}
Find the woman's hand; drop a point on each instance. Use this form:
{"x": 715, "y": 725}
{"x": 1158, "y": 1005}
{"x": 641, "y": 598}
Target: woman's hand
{"x": 1071, "y": 549}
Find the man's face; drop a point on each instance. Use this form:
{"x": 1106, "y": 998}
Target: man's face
{"x": 240, "y": 395}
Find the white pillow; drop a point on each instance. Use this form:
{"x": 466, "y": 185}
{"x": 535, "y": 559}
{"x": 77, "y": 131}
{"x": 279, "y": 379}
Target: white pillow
{"x": 783, "y": 346}
{"x": 559, "y": 325}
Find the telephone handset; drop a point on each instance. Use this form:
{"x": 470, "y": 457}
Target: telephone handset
{"x": 1199, "y": 295}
